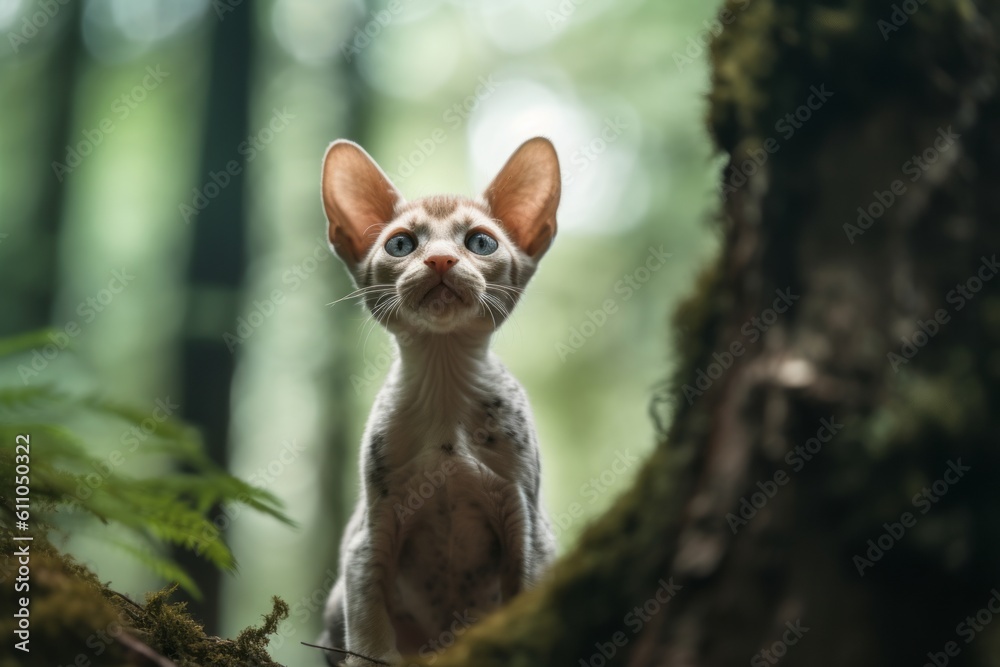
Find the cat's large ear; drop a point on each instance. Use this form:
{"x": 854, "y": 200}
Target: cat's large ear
{"x": 524, "y": 196}
{"x": 358, "y": 198}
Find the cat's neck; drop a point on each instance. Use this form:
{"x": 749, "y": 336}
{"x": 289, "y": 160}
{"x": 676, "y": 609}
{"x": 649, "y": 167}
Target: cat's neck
{"x": 443, "y": 365}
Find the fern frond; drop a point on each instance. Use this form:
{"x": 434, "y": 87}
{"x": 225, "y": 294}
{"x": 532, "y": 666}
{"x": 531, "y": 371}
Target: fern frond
{"x": 167, "y": 509}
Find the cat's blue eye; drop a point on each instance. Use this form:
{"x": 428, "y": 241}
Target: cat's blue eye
{"x": 400, "y": 245}
{"x": 481, "y": 243}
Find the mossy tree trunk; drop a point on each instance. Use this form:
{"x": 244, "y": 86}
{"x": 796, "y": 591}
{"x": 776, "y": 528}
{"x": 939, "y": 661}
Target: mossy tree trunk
{"x": 870, "y": 407}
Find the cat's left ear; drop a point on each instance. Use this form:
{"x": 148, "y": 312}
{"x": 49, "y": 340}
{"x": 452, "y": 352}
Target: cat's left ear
{"x": 524, "y": 196}
{"x": 358, "y": 198}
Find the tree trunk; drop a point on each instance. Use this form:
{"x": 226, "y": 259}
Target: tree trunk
{"x": 824, "y": 493}
{"x": 217, "y": 267}
{"x": 30, "y": 258}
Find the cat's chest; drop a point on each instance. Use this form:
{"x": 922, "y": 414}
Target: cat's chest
{"x": 414, "y": 438}
{"x": 487, "y": 431}
{"x": 475, "y": 415}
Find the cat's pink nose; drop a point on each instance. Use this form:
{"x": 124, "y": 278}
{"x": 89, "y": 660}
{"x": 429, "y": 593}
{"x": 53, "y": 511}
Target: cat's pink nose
{"x": 441, "y": 263}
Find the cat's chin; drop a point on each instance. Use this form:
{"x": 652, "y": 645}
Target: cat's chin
{"x": 441, "y": 296}
{"x": 455, "y": 317}
{"x": 443, "y": 307}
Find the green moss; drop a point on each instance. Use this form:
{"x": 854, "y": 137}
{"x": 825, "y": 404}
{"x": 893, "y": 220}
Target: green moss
{"x": 171, "y": 630}
{"x": 75, "y": 619}
{"x": 68, "y": 608}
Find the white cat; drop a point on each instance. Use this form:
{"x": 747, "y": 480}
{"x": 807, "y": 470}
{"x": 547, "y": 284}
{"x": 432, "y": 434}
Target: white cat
{"x": 449, "y": 524}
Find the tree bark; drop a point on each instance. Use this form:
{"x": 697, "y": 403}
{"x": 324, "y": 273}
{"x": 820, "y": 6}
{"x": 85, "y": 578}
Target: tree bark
{"x": 794, "y": 446}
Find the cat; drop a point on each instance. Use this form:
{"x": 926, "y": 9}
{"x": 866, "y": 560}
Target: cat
{"x": 448, "y": 525}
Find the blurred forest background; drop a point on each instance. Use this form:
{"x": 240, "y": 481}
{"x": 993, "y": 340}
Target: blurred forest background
{"x": 159, "y": 183}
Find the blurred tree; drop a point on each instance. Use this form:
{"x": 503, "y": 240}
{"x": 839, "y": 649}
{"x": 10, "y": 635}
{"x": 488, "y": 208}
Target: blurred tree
{"x": 824, "y": 497}
{"x": 217, "y": 266}
{"x": 31, "y": 257}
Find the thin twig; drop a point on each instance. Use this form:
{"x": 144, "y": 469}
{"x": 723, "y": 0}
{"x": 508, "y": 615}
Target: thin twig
{"x": 345, "y": 651}
{"x": 134, "y": 614}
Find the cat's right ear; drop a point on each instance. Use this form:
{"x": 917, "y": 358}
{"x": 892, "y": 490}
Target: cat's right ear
{"x": 525, "y": 194}
{"x": 358, "y": 199}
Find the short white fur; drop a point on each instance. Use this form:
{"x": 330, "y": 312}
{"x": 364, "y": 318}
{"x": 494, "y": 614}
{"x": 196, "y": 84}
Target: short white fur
{"x": 449, "y": 524}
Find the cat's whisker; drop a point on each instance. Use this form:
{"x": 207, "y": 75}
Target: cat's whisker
{"x": 364, "y": 291}
{"x": 502, "y": 307}
{"x": 395, "y": 311}
{"x": 364, "y": 346}
{"x": 372, "y": 317}
{"x": 486, "y": 308}
{"x": 503, "y": 286}
{"x": 506, "y": 288}
{"x": 380, "y": 308}
{"x": 489, "y": 305}
{"x": 382, "y": 304}
{"x": 510, "y": 292}
{"x": 493, "y": 302}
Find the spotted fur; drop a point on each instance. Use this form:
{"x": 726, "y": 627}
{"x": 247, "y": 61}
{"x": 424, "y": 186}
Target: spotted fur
{"x": 448, "y": 525}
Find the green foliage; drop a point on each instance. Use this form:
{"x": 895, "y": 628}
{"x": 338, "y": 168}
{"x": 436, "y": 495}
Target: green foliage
{"x": 170, "y": 508}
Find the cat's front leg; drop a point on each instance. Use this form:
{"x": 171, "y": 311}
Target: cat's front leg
{"x": 516, "y": 522}
{"x": 368, "y": 626}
